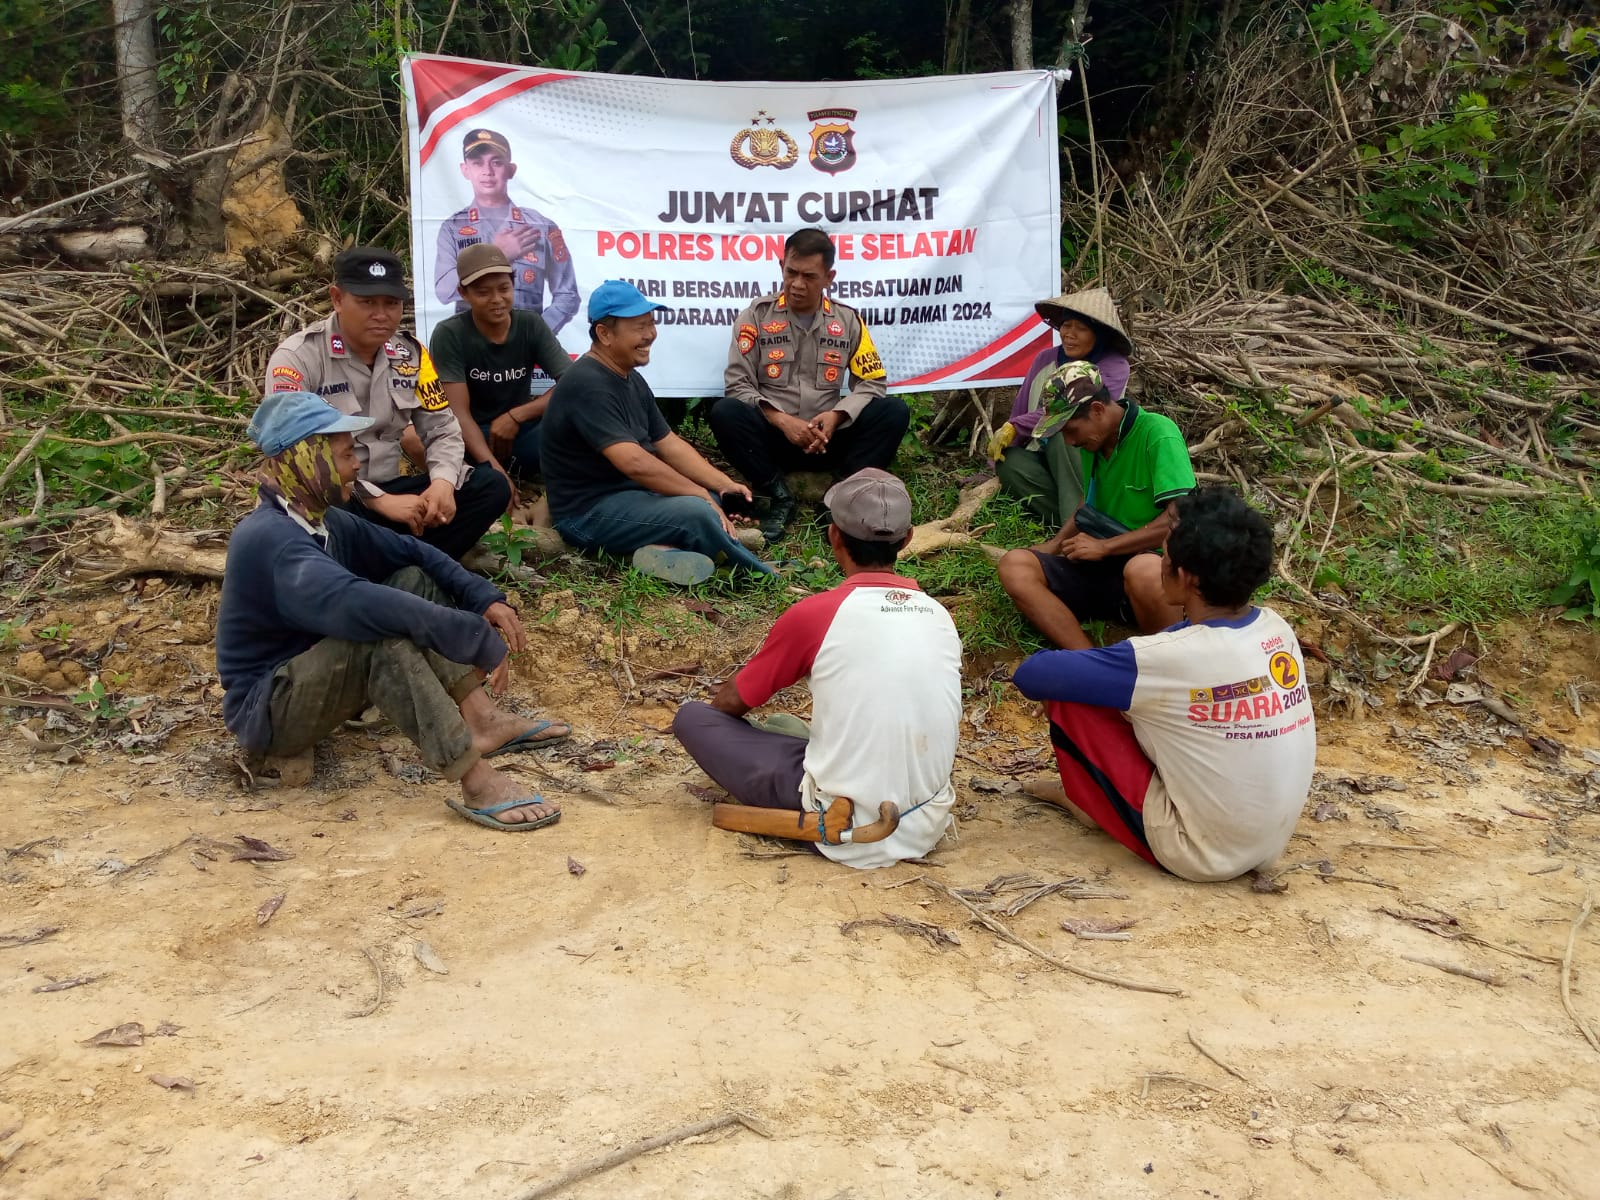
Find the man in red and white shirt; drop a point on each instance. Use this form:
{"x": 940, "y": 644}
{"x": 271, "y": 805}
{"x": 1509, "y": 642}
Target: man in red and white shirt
{"x": 884, "y": 664}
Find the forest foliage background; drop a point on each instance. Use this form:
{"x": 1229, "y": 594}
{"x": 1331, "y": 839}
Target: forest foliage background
{"x": 1358, "y": 242}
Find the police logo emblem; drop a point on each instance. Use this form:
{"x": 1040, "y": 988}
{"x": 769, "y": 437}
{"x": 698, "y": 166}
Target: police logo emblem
{"x": 831, "y": 375}
{"x": 378, "y": 271}
{"x": 775, "y": 326}
{"x": 529, "y": 276}
{"x": 833, "y": 147}
{"x": 835, "y": 328}
{"x": 774, "y": 370}
{"x": 754, "y": 146}
{"x": 747, "y": 338}
{"x": 558, "y": 245}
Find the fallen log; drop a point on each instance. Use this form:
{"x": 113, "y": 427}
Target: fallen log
{"x": 954, "y": 530}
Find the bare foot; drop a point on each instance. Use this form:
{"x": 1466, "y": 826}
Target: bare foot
{"x": 505, "y": 728}
{"x": 484, "y": 787}
{"x": 491, "y": 728}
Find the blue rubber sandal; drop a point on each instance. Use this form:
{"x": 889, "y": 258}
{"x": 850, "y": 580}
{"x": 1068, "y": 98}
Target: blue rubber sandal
{"x": 668, "y": 563}
{"x": 529, "y": 739}
{"x": 486, "y": 816}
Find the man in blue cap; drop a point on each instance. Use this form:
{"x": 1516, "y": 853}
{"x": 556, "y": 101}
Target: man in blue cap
{"x": 617, "y": 478}
{"x": 324, "y": 613}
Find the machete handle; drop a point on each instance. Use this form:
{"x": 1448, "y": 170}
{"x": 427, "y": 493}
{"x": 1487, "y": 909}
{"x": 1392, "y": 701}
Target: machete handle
{"x": 888, "y": 821}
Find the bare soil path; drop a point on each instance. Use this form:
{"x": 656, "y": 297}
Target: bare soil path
{"x": 678, "y": 977}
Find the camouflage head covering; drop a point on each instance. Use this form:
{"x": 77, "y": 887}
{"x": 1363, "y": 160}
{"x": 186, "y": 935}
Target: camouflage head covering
{"x": 1069, "y": 387}
{"x": 306, "y": 476}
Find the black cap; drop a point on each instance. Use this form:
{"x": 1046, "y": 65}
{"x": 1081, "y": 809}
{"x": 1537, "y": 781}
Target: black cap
{"x": 484, "y": 139}
{"x": 369, "y": 271}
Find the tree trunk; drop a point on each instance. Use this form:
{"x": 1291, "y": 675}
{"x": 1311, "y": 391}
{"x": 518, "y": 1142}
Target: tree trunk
{"x": 136, "y": 71}
{"x": 1022, "y": 35}
{"x": 956, "y": 35}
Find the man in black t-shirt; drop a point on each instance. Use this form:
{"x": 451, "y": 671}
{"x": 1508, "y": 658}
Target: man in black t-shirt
{"x": 486, "y": 357}
{"x": 617, "y": 478}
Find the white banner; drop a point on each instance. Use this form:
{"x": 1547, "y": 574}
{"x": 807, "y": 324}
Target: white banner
{"x": 942, "y": 197}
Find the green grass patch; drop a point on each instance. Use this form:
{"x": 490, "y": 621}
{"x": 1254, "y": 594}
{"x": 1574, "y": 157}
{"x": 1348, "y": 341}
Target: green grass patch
{"x": 1434, "y": 555}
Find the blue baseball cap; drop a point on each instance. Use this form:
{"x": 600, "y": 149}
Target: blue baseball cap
{"x": 615, "y": 298}
{"x": 284, "y": 418}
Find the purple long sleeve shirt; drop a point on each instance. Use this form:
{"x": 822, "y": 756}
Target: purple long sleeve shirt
{"x": 1114, "y": 370}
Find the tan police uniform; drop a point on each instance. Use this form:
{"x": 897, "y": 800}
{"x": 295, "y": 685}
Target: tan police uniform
{"x": 803, "y": 371}
{"x": 401, "y": 388}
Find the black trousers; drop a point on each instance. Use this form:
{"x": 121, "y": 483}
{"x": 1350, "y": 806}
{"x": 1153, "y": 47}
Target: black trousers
{"x": 760, "y": 453}
{"x": 480, "y": 501}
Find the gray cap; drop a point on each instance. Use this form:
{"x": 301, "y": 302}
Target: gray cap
{"x": 872, "y": 505}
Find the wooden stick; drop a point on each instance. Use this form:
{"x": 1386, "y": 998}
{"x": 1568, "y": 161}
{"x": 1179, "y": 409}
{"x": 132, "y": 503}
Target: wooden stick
{"x": 1566, "y": 972}
{"x": 22, "y": 455}
{"x": 1194, "y": 1040}
{"x": 627, "y": 1153}
{"x": 999, "y": 929}
{"x": 1437, "y": 964}
{"x": 377, "y": 970}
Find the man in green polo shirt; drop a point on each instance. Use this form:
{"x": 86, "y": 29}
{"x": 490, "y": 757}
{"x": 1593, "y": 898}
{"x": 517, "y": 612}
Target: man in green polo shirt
{"x": 1102, "y": 565}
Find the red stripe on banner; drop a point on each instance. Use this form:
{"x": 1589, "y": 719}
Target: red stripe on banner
{"x": 1024, "y": 353}
{"x": 453, "y": 119}
{"x": 436, "y": 82}
{"x": 1016, "y": 364}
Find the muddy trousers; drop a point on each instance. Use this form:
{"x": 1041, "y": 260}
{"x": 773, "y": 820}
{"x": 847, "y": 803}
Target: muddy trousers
{"x": 1048, "y": 481}
{"x": 419, "y": 691}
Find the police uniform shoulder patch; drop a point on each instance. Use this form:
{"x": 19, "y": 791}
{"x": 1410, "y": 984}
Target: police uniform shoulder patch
{"x": 287, "y": 379}
{"x": 429, "y": 390}
{"x": 335, "y": 344}
{"x": 558, "y": 244}
{"x": 747, "y": 338}
{"x": 865, "y": 362}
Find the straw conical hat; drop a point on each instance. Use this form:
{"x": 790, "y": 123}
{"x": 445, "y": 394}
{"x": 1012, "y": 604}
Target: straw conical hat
{"x": 1096, "y": 305}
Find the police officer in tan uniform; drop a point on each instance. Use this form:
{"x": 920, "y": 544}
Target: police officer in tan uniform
{"x": 785, "y": 406}
{"x": 362, "y": 363}
{"x": 531, "y": 241}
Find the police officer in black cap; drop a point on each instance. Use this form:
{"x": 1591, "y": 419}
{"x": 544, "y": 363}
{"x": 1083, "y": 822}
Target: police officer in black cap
{"x": 360, "y": 361}
{"x": 530, "y": 241}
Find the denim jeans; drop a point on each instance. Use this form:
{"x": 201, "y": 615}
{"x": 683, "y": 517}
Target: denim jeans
{"x": 624, "y": 521}
{"x": 523, "y": 461}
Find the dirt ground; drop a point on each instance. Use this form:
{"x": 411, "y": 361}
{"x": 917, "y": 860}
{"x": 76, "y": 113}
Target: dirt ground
{"x": 679, "y": 976}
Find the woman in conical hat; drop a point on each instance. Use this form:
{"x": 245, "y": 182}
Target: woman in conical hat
{"x": 1043, "y": 472}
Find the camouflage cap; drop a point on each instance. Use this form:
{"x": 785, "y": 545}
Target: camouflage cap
{"x": 1068, "y": 388}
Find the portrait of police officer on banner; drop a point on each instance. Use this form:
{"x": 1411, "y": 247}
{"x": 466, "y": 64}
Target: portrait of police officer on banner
{"x": 532, "y": 242}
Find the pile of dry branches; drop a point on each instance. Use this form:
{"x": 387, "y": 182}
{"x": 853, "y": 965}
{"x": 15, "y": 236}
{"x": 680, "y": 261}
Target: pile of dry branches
{"x": 1255, "y": 277}
{"x": 152, "y": 342}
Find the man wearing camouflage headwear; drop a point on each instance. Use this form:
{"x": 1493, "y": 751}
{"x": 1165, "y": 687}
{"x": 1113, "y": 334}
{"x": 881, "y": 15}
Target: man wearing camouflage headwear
{"x": 531, "y": 241}
{"x": 1045, "y": 473}
{"x": 1101, "y": 565}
